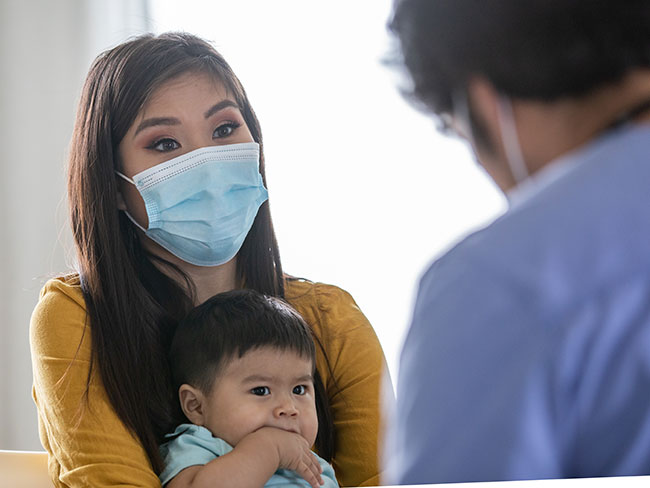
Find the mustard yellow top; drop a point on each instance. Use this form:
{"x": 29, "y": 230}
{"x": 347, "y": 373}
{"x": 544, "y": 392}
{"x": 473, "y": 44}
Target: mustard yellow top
{"x": 91, "y": 446}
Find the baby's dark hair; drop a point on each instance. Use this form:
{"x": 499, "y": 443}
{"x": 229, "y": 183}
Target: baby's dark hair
{"x": 231, "y": 324}
{"x": 228, "y": 326}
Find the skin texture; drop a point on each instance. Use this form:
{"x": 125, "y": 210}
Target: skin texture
{"x": 263, "y": 405}
{"x": 179, "y": 108}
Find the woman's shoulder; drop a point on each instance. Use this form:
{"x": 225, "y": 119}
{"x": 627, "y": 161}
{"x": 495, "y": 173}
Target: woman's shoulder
{"x": 64, "y": 284}
{"x": 322, "y": 296}
{"x": 59, "y": 295}
{"x": 324, "y": 305}
{"x": 58, "y": 321}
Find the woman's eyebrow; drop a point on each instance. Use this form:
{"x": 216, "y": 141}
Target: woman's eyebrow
{"x": 174, "y": 121}
{"x": 219, "y": 106}
{"x": 156, "y": 121}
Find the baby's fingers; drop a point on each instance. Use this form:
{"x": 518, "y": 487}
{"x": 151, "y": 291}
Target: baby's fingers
{"x": 311, "y": 470}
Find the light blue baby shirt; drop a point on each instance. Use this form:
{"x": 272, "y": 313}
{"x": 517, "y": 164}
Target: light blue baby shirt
{"x": 528, "y": 354}
{"x": 192, "y": 445}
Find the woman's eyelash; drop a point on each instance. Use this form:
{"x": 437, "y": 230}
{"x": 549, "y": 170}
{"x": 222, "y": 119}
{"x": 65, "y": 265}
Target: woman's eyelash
{"x": 227, "y": 125}
{"x": 231, "y": 126}
{"x": 157, "y": 142}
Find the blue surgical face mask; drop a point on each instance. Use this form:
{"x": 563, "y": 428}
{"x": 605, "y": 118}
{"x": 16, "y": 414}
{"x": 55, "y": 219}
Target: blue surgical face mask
{"x": 507, "y": 126}
{"x": 510, "y": 140}
{"x": 202, "y": 204}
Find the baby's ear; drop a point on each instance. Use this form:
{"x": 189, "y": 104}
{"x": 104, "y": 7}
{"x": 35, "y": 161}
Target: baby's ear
{"x": 192, "y": 403}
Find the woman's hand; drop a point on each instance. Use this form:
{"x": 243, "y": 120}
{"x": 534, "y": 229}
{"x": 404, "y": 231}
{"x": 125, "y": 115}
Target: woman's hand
{"x": 293, "y": 453}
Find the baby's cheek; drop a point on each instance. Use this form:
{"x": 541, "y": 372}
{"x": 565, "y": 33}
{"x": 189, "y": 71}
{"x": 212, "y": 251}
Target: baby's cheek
{"x": 310, "y": 427}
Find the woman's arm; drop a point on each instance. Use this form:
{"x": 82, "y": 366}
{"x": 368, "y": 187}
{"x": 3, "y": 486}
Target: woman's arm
{"x": 253, "y": 461}
{"x": 87, "y": 443}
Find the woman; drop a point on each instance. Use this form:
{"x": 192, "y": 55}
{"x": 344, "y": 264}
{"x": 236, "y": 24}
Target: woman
{"x": 151, "y": 243}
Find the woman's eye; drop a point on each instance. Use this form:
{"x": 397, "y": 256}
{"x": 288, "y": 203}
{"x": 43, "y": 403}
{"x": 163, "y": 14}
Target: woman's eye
{"x": 225, "y": 130}
{"x": 299, "y": 390}
{"x": 261, "y": 391}
{"x": 164, "y": 145}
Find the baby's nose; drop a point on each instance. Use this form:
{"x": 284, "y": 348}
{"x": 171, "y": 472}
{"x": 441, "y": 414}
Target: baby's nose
{"x": 286, "y": 408}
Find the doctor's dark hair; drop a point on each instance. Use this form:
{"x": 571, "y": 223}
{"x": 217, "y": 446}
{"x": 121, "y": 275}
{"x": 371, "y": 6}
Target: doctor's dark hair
{"x": 229, "y": 325}
{"x": 532, "y": 49}
{"x": 132, "y": 306}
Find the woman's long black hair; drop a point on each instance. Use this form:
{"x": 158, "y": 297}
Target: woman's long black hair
{"x": 133, "y": 307}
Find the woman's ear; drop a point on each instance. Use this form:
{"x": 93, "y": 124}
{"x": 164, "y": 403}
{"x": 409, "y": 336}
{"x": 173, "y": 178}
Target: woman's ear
{"x": 121, "y": 203}
{"x": 192, "y": 403}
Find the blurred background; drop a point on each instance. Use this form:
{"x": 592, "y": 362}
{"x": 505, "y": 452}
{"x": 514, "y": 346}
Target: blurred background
{"x": 364, "y": 192}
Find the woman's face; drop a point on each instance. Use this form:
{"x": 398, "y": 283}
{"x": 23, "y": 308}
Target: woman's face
{"x": 186, "y": 113}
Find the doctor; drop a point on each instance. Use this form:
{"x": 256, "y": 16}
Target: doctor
{"x": 529, "y": 351}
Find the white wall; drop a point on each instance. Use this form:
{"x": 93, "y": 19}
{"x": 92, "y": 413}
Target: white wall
{"x": 364, "y": 191}
{"x": 45, "y": 50}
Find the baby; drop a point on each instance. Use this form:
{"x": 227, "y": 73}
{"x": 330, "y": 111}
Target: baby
{"x": 244, "y": 365}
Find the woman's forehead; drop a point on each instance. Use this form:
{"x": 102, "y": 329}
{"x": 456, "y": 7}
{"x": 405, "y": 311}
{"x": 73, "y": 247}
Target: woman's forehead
{"x": 184, "y": 86}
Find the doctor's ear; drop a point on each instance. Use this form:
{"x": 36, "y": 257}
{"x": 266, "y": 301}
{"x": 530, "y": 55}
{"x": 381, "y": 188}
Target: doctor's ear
{"x": 192, "y": 403}
{"x": 484, "y": 99}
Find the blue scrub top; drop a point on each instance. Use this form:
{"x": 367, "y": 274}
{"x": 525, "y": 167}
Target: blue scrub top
{"x": 528, "y": 356}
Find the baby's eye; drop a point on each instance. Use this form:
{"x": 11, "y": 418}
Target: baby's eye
{"x": 261, "y": 391}
{"x": 225, "y": 130}
{"x": 299, "y": 390}
{"x": 165, "y": 145}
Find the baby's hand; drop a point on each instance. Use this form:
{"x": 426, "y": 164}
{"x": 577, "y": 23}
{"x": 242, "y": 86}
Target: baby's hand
{"x": 294, "y": 453}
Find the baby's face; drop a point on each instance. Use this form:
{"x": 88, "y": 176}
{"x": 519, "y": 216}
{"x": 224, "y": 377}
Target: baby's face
{"x": 264, "y": 388}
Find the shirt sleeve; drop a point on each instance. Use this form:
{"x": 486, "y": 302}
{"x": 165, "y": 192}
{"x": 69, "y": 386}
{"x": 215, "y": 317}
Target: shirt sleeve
{"x": 87, "y": 443}
{"x": 190, "y": 445}
{"x": 357, "y": 365}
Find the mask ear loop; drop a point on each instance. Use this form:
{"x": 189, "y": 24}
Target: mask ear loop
{"x": 511, "y": 146}
{"x": 461, "y": 116}
{"x": 125, "y": 177}
{"x": 125, "y": 212}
